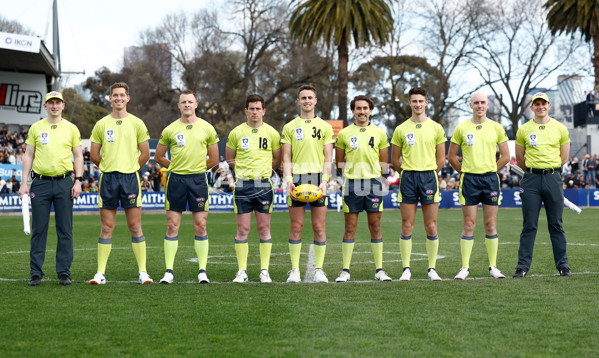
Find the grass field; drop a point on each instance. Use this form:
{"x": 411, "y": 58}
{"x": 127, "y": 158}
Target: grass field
{"x": 541, "y": 316}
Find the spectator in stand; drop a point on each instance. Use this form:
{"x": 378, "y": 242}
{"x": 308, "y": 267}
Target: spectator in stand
{"x": 442, "y": 183}
{"x": 513, "y": 161}
{"x": 392, "y": 178}
{"x": 592, "y": 171}
{"x": 155, "y": 176}
{"x": 506, "y": 181}
{"x": 515, "y": 182}
{"x": 163, "y": 174}
{"x": 566, "y": 169}
{"x": 570, "y": 184}
{"x": 585, "y": 167}
{"x": 94, "y": 187}
{"x": 96, "y": 173}
{"x": 575, "y": 165}
{"x": 86, "y": 157}
{"x": 145, "y": 183}
{"x": 16, "y": 185}
{"x": 4, "y": 131}
{"x": 579, "y": 181}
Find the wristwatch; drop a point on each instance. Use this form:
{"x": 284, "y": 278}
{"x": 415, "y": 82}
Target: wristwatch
{"x": 79, "y": 178}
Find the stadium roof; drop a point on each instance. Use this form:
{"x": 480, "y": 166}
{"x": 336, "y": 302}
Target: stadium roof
{"x": 29, "y": 54}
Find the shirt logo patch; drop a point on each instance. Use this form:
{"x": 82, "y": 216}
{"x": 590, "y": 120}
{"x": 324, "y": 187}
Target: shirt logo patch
{"x": 119, "y": 122}
{"x": 493, "y": 193}
{"x": 54, "y": 126}
{"x": 541, "y": 127}
{"x": 299, "y": 133}
{"x": 44, "y": 138}
{"x": 189, "y": 126}
{"x": 110, "y": 137}
{"x": 479, "y": 127}
{"x": 255, "y": 130}
{"x": 375, "y": 200}
{"x": 428, "y": 192}
{"x": 200, "y": 200}
{"x": 180, "y": 140}
{"x": 308, "y": 121}
{"x": 362, "y": 130}
{"x": 132, "y": 196}
{"x": 418, "y": 126}
{"x": 265, "y": 202}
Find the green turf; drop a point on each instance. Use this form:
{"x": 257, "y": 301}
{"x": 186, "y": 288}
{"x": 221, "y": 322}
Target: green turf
{"x": 543, "y": 315}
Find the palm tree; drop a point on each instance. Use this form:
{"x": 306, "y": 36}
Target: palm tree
{"x": 337, "y": 21}
{"x": 570, "y": 16}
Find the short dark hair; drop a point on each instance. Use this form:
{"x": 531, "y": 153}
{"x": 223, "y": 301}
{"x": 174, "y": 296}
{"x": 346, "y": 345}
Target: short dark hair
{"x": 188, "y": 92}
{"x": 306, "y": 88}
{"x": 119, "y": 85}
{"x": 352, "y": 104}
{"x": 253, "y": 98}
{"x": 418, "y": 90}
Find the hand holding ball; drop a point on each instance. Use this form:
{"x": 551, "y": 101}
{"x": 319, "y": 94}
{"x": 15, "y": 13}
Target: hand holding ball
{"x": 307, "y": 193}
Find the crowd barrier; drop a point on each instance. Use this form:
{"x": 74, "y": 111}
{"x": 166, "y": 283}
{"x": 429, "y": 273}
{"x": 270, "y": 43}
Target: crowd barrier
{"x": 222, "y": 202}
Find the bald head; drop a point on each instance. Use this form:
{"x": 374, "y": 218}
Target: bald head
{"x": 479, "y": 104}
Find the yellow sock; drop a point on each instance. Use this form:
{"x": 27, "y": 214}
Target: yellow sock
{"x": 201, "y": 246}
{"x": 466, "y": 243}
{"x": 265, "y": 249}
{"x": 405, "y": 247}
{"x": 139, "y": 249}
{"x": 295, "y": 249}
{"x": 319, "y": 250}
{"x": 171, "y": 244}
{"x": 492, "y": 243}
{"x": 347, "y": 248}
{"x": 242, "y": 249}
{"x": 377, "y": 250}
{"x": 432, "y": 247}
{"x": 104, "y": 247}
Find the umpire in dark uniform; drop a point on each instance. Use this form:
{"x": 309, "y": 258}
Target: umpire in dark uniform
{"x": 542, "y": 147}
{"x": 48, "y": 160}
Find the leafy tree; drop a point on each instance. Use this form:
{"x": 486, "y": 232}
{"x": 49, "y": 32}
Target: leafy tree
{"x": 81, "y": 112}
{"x": 570, "y": 16}
{"x": 388, "y": 80}
{"x": 337, "y": 22}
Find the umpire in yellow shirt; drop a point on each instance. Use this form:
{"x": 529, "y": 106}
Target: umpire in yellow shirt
{"x": 360, "y": 154}
{"x": 253, "y": 151}
{"x": 194, "y": 149}
{"x": 542, "y": 147}
{"x": 51, "y": 142}
{"x": 120, "y": 148}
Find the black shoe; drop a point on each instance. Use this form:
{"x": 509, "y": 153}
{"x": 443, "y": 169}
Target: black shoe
{"x": 520, "y": 273}
{"x": 35, "y": 280}
{"x": 565, "y": 272}
{"x": 64, "y": 280}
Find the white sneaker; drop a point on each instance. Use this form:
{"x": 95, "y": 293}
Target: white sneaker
{"x": 294, "y": 276}
{"x": 432, "y": 275}
{"x": 320, "y": 276}
{"x": 98, "y": 279}
{"x": 202, "y": 277}
{"x": 381, "y": 276}
{"x": 406, "y": 274}
{"x": 168, "y": 278}
{"x": 464, "y": 272}
{"x": 495, "y": 273}
{"x": 265, "y": 276}
{"x": 241, "y": 277}
{"x": 343, "y": 277}
{"x": 144, "y": 278}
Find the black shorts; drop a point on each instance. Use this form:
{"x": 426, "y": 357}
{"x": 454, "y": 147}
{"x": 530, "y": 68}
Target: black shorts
{"x": 184, "y": 190}
{"x": 311, "y": 178}
{"x": 253, "y": 195}
{"x": 480, "y": 188}
{"x": 363, "y": 195}
{"x": 115, "y": 187}
{"x": 418, "y": 186}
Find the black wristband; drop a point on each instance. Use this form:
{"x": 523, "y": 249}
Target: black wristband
{"x": 79, "y": 178}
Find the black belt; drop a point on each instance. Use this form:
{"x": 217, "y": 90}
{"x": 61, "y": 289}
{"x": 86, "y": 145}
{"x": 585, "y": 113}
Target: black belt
{"x": 544, "y": 171}
{"x": 46, "y": 177}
